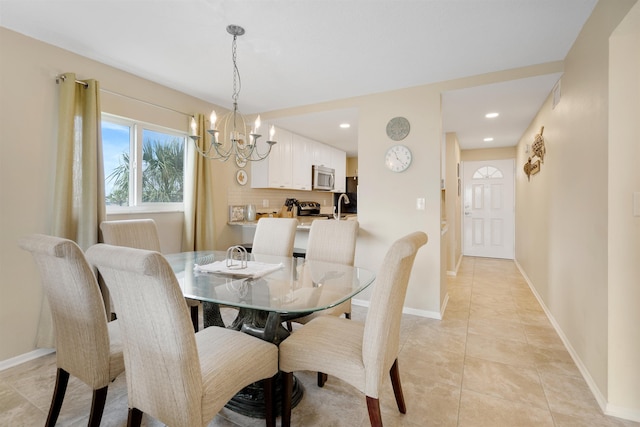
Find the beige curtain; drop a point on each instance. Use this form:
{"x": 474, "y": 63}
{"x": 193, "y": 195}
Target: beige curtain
{"x": 79, "y": 201}
{"x": 199, "y": 233}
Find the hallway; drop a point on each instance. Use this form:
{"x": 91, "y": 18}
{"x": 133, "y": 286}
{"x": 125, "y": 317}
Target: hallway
{"x": 494, "y": 360}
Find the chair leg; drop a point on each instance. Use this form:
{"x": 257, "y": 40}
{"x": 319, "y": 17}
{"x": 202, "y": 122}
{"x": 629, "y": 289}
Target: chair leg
{"x": 194, "y": 317}
{"x": 62, "y": 379}
{"x": 322, "y": 378}
{"x": 289, "y": 326}
{"x": 135, "y": 417}
{"x": 287, "y": 391}
{"x": 97, "y": 406}
{"x": 397, "y": 387}
{"x": 269, "y": 385}
{"x": 375, "y": 418}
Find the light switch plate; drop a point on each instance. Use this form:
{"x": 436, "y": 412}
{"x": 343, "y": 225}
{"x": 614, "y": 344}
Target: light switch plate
{"x": 636, "y": 204}
{"x": 420, "y": 203}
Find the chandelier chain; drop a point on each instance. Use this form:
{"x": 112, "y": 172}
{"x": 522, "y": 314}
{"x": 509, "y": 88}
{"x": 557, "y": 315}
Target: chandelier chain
{"x": 237, "y": 82}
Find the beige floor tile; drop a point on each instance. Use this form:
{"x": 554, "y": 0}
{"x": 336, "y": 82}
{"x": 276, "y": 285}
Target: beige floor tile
{"x": 501, "y": 350}
{"x": 508, "y": 382}
{"x": 552, "y": 361}
{"x": 569, "y": 395}
{"x": 470, "y": 369}
{"x": 563, "y": 420}
{"x": 498, "y": 329}
{"x": 479, "y": 410}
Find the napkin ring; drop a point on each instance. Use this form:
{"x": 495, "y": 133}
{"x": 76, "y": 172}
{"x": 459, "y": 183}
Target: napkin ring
{"x": 237, "y": 257}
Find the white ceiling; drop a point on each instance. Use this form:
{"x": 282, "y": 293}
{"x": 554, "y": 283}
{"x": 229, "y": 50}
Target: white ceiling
{"x": 302, "y": 52}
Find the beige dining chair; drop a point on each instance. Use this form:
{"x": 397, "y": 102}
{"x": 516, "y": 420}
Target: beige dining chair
{"x": 87, "y": 346}
{"x": 177, "y": 376}
{"x": 274, "y": 236}
{"x": 140, "y": 234}
{"x": 358, "y": 353}
{"x": 332, "y": 241}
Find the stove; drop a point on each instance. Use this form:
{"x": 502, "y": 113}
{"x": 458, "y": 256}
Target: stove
{"x": 308, "y": 208}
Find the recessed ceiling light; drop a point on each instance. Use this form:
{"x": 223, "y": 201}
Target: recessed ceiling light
{"x": 345, "y": 125}
{"x": 489, "y": 139}
{"x": 491, "y": 115}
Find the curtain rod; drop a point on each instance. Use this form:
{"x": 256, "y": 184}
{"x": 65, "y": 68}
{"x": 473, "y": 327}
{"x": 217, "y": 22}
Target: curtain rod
{"x": 85, "y": 84}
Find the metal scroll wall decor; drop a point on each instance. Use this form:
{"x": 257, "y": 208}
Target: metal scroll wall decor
{"x": 535, "y": 161}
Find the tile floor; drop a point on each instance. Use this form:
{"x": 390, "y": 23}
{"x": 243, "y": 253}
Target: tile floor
{"x": 494, "y": 360}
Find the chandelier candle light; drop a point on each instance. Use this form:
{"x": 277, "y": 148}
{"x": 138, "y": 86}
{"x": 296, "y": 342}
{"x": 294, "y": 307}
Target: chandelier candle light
{"x": 232, "y": 125}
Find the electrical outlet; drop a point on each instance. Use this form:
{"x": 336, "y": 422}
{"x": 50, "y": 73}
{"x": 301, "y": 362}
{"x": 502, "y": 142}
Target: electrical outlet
{"x": 265, "y": 203}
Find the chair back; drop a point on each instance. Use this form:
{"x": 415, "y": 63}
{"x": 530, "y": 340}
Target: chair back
{"x": 332, "y": 241}
{"x": 275, "y": 236}
{"x": 77, "y": 308}
{"x": 133, "y": 233}
{"x": 381, "y": 341}
{"x": 160, "y": 353}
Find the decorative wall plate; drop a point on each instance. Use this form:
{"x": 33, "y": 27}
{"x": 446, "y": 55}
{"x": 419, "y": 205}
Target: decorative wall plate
{"x": 398, "y": 128}
{"x": 241, "y": 176}
{"x": 241, "y": 162}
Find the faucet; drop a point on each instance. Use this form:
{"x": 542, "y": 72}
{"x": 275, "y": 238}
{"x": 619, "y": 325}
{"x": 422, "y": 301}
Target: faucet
{"x": 346, "y": 202}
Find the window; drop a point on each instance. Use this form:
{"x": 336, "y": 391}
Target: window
{"x": 487, "y": 172}
{"x": 143, "y": 165}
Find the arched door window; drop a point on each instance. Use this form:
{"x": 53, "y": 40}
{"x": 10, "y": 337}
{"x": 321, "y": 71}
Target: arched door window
{"x": 487, "y": 172}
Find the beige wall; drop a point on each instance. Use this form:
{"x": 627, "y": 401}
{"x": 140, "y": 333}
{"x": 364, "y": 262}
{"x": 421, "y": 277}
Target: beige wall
{"x": 624, "y": 228}
{"x": 562, "y": 212}
{"x": 453, "y": 203}
{"x": 387, "y": 201}
{"x": 500, "y": 153}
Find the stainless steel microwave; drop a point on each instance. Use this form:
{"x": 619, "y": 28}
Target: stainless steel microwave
{"x": 323, "y": 178}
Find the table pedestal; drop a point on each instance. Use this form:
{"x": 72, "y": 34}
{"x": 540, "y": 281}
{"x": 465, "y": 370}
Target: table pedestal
{"x": 266, "y": 326}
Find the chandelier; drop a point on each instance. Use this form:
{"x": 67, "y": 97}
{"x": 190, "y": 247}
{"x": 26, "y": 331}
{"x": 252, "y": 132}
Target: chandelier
{"x": 231, "y": 137}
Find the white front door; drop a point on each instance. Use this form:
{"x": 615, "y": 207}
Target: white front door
{"x": 489, "y": 209}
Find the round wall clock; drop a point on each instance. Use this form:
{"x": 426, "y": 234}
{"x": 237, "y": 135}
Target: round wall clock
{"x": 398, "y": 128}
{"x": 398, "y": 158}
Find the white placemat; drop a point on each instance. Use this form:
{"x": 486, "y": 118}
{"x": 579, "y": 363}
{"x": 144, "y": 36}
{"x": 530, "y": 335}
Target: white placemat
{"x": 254, "y": 269}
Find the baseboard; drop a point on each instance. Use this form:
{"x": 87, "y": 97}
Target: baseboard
{"x": 405, "y": 310}
{"x": 455, "y": 272}
{"x": 602, "y": 401}
{"x": 18, "y": 360}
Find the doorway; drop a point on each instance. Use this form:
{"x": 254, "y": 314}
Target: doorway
{"x": 488, "y": 214}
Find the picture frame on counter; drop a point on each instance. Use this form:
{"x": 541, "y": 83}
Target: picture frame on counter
{"x": 236, "y": 213}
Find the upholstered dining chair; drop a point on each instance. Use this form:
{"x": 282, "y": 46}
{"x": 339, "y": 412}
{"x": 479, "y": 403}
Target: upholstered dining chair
{"x": 140, "y": 234}
{"x": 274, "y": 236}
{"x": 358, "y": 353}
{"x": 332, "y": 241}
{"x": 177, "y": 376}
{"x": 87, "y": 346}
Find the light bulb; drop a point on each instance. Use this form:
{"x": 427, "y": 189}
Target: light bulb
{"x": 212, "y": 120}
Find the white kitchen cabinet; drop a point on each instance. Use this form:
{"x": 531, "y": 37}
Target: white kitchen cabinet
{"x": 302, "y": 155}
{"x": 321, "y": 155}
{"x": 275, "y": 171}
{"x": 289, "y": 166}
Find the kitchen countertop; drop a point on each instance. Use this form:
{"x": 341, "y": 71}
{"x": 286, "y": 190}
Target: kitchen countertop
{"x": 304, "y": 222}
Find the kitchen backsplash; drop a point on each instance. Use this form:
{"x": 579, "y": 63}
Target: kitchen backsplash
{"x": 276, "y": 198}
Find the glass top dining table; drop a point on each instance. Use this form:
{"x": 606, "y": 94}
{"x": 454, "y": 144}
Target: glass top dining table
{"x": 290, "y": 288}
{"x": 297, "y": 287}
